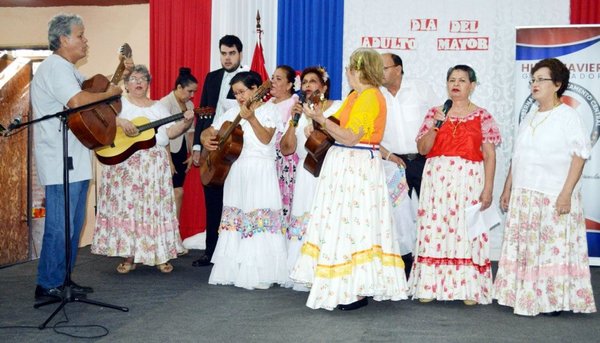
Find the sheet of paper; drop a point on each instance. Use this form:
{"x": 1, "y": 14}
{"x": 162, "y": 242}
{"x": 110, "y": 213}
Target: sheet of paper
{"x": 478, "y": 221}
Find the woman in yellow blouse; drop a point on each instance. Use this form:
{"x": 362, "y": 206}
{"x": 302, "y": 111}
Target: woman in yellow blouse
{"x": 350, "y": 250}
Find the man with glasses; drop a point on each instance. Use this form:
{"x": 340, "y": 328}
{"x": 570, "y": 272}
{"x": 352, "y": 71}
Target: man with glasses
{"x": 216, "y": 93}
{"x": 407, "y": 103}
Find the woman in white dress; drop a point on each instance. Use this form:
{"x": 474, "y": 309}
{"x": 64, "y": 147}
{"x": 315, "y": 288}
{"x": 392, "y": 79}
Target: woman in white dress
{"x": 313, "y": 79}
{"x": 544, "y": 265}
{"x": 251, "y": 250}
{"x": 137, "y": 218}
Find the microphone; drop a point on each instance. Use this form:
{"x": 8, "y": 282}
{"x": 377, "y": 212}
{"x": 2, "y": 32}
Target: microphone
{"x": 296, "y": 116}
{"x": 447, "y": 106}
{"x": 15, "y": 123}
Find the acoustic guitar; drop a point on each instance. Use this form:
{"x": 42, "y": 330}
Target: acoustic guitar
{"x": 215, "y": 165}
{"x": 124, "y": 146}
{"x": 97, "y": 126}
{"x": 317, "y": 145}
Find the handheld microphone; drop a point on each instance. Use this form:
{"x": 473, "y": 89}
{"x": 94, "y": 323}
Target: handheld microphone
{"x": 447, "y": 106}
{"x": 15, "y": 123}
{"x": 296, "y": 116}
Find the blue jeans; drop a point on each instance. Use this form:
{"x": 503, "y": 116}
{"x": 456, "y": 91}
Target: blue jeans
{"x": 52, "y": 263}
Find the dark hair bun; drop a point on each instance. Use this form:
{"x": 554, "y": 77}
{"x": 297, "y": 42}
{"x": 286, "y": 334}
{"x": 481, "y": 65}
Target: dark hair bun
{"x": 185, "y": 71}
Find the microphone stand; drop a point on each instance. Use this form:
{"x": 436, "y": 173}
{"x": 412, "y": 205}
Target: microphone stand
{"x": 67, "y": 295}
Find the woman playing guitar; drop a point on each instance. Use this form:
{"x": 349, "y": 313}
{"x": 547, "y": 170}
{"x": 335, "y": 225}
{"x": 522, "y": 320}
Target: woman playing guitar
{"x": 250, "y": 252}
{"x": 314, "y": 80}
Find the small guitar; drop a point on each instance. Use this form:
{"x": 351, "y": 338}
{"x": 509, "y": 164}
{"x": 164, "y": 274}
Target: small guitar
{"x": 97, "y": 126}
{"x": 317, "y": 144}
{"x": 124, "y": 146}
{"x": 215, "y": 165}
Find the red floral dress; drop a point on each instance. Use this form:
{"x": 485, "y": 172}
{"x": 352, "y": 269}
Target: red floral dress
{"x": 448, "y": 265}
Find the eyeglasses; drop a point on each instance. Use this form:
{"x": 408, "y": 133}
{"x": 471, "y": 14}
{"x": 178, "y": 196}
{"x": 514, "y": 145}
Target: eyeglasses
{"x": 138, "y": 79}
{"x": 240, "y": 93}
{"x": 538, "y": 80}
{"x": 388, "y": 67}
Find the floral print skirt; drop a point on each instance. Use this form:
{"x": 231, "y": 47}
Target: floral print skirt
{"x": 304, "y": 193}
{"x": 136, "y": 210}
{"x": 350, "y": 249}
{"x": 544, "y": 265}
{"x": 448, "y": 265}
{"x": 251, "y": 251}
{"x": 286, "y": 174}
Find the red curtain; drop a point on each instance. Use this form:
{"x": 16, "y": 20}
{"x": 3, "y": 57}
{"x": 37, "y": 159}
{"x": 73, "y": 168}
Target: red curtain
{"x": 179, "y": 37}
{"x": 585, "y": 12}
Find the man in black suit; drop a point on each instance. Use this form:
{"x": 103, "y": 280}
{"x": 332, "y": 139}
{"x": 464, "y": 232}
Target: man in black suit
{"x": 216, "y": 93}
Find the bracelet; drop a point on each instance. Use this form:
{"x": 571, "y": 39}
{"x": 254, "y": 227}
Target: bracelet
{"x": 293, "y": 123}
{"x": 388, "y": 155}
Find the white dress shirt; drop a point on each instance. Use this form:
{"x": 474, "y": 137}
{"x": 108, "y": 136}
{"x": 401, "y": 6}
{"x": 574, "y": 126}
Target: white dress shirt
{"x": 405, "y": 113}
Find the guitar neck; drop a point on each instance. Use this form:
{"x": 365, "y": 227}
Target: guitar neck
{"x": 160, "y": 122}
{"x": 230, "y": 129}
{"x": 118, "y": 75}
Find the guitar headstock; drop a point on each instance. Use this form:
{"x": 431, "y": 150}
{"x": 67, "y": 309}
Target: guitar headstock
{"x": 260, "y": 93}
{"x": 204, "y": 112}
{"x": 315, "y": 98}
{"x": 125, "y": 51}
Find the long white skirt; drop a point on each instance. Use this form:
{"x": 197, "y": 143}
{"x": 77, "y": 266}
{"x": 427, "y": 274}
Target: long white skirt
{"x": 304, "y": 193}
{"x": 251, "y": 251}
{"x": 448, "y": 265}
{"x": 350, "y": 247}
{"x": 544, "y": 266}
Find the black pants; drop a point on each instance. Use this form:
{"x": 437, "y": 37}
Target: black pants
{"x": 408, "y": 262}
{"x": 213, "y": 196}
{"x": 414, "y": 172}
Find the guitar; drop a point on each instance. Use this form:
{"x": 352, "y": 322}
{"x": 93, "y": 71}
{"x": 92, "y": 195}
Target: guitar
{"x": 215, "y": 165}
{"x": 97, "y": 126}
{"x": 124, "y": 146}
{"x": 317, "y": 144}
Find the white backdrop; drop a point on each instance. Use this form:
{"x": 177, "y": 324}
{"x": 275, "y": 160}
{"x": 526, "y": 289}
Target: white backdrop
{"x": 486, "y": 25}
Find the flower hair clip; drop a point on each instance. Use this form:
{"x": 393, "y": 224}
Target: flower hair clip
{"x": 359, "y": 63}
{"x": 324, "y": 73}
{"x": 297, "y": 81}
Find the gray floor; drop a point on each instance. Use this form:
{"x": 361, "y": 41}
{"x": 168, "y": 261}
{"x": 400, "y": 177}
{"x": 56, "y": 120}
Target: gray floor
{"x": 182, "y": 307}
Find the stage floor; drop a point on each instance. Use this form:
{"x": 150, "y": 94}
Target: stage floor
{"x": 182, "y": 307}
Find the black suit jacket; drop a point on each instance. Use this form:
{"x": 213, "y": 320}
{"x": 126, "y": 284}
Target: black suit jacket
{"x": 210, "y": 97}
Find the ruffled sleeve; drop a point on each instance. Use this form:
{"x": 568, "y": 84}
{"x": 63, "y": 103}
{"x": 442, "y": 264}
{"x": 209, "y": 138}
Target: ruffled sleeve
{"x": 489, "y": 128}
{"x": 428, "y": 123}
{"x": 268, "y": 116}
{"x": 578, "y": 141}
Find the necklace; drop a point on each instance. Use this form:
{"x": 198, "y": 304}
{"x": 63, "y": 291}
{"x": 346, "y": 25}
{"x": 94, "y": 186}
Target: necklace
{"x": 532, "y": 126}
{"x": 458, "y": 121}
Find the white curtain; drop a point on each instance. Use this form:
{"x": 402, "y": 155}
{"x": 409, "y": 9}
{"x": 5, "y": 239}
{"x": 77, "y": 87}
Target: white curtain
{"x": 239, "y": 18}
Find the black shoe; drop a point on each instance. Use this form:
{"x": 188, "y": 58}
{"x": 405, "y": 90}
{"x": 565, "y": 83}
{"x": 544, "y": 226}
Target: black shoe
{"x": 77, "y": 289}
{"x": 44, "y": 293}
{"x": 552, "y": 314}
{"x": 203, "y": 261}
{"x": 353, "y": 306}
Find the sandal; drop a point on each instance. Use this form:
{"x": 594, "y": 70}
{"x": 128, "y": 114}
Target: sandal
{"x": 470, "y": 302}
{"x": 125, "y": 267}
{"x": 165, "y": 267}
